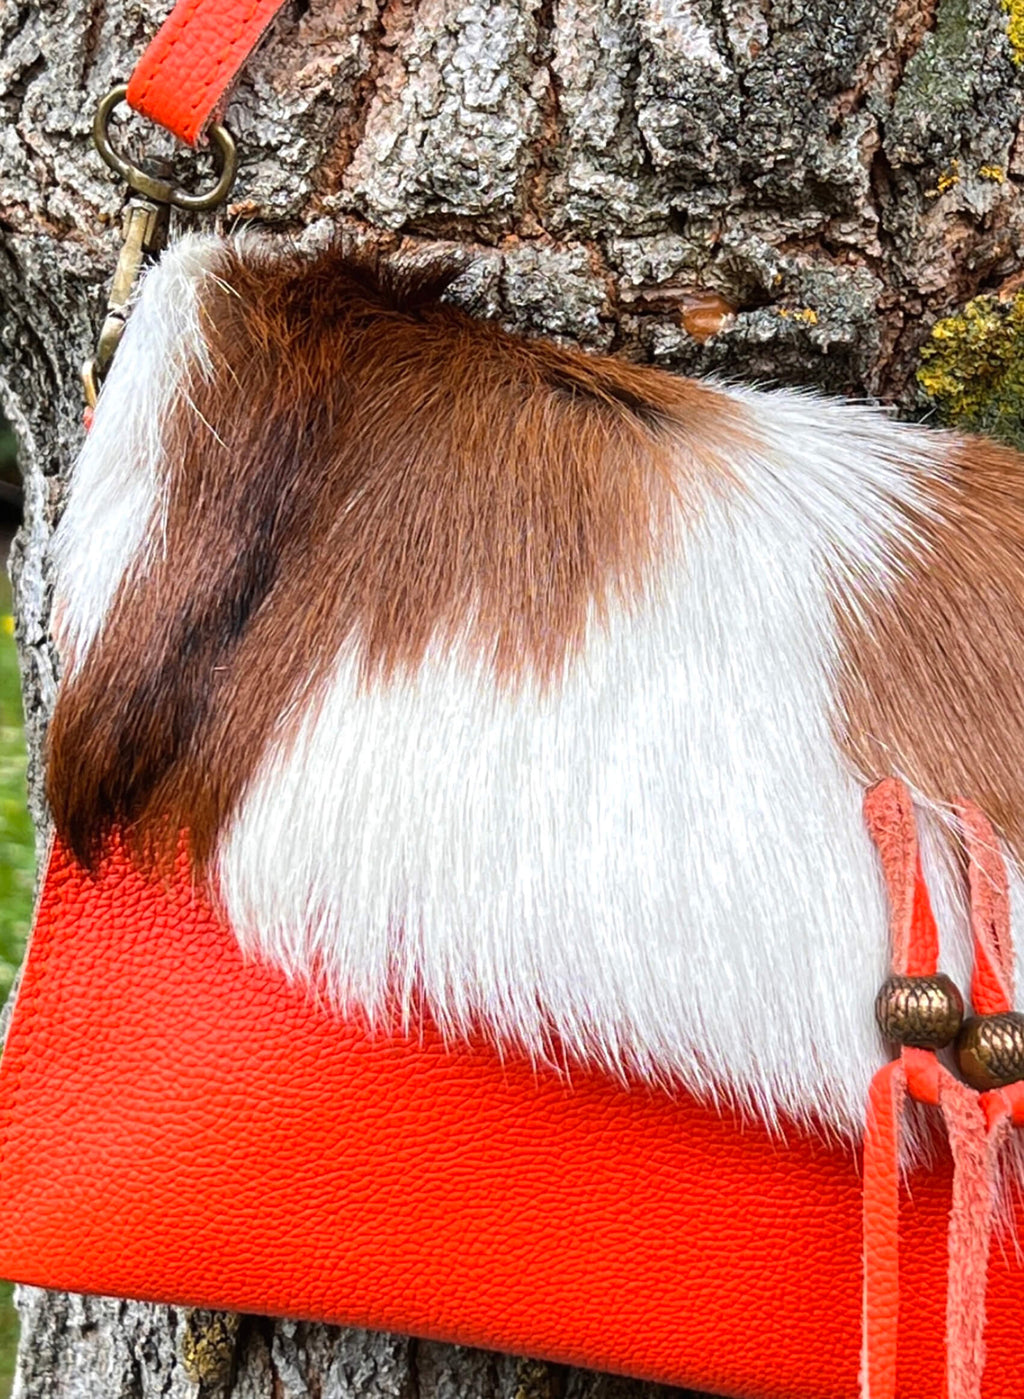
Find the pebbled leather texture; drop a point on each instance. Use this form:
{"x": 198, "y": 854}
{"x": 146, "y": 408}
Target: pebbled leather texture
{"x": 179, "y": 1125}
{"x": 184, "y": 75}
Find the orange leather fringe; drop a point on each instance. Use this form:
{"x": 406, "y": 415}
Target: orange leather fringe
{"x": 977, "y": 1124}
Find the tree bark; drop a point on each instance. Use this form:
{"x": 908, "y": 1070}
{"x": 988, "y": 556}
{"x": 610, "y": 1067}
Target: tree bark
{"x": 777, "y": 190}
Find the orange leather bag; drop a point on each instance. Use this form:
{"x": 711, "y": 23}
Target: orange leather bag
{"x": 182, "y": 1125}
{"x": 374, "y": 1042}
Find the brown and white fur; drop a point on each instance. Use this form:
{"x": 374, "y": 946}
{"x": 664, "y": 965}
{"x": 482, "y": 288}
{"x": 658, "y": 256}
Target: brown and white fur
{"x": 538, "y": 687}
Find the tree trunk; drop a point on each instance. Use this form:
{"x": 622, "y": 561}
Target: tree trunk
{"x": 790, "y": 191}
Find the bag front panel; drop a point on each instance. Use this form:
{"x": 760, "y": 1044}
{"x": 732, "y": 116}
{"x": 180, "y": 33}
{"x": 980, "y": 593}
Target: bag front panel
{"x": 181, "y": 1124}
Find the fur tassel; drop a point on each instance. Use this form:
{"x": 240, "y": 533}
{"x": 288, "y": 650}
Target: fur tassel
{"x": 537, "y": 687}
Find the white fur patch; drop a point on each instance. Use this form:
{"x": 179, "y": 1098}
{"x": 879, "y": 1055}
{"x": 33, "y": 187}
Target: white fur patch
{"x": 112, "y": 514}
{"x": 665, "y": 863}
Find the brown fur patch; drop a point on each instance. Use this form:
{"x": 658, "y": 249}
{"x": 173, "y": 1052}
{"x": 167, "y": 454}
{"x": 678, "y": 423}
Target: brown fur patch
{"x": 365, "y": 464}
{"x": 932, "y": 682}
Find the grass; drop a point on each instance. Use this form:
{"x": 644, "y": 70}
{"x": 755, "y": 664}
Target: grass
{"x": 16, "y": 875}
{"x": 17, "y": 854}
{"x": 8, "y": 1338}
{"x": 16, "y": 843}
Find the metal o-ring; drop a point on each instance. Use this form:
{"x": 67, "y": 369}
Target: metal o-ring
{"x": 151, "y": 185}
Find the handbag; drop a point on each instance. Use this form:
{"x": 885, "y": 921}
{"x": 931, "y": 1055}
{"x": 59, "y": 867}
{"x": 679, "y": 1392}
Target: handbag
{"x": 491, "y": 785}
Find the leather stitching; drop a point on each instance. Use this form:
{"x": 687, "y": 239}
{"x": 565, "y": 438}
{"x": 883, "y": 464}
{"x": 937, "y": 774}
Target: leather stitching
{"x": 181, "y": 36}
{"x": 163, "y": 45}
{"x": 226, "y": 56}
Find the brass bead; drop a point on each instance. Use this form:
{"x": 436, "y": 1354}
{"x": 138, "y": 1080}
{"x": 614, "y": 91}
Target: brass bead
{"x": 922, "y": 1011}
{"x": 990, "y": 1050}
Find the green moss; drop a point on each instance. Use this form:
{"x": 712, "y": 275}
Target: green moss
{"x": 972, "y": 368}
{"x": 937, "y": 79}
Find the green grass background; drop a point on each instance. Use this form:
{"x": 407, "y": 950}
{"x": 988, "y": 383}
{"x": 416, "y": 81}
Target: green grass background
{"x": 16, "y": 859}
{"x": 16, "y": 841}
{"x": 16, "y": 875}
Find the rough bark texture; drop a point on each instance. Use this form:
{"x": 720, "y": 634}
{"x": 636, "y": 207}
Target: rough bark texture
{"x": 816, "y": 182}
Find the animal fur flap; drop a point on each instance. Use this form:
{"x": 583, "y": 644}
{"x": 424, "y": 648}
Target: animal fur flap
{"x": 534, "y": 687}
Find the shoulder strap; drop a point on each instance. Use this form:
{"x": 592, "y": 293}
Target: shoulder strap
{"x": 183, "y": 78}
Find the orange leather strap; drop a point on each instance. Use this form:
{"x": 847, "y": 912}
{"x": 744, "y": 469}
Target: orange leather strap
{"x": 889, "y": 814}
{"x": 993, "y": 975}
{"x": 882, "y": 1232}
{"x": 183, "y": 79}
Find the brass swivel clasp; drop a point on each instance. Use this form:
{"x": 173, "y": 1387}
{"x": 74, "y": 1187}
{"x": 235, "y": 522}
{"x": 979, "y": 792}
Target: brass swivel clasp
{"x": 145, "y": 235}
{"x": 146, "y": 223}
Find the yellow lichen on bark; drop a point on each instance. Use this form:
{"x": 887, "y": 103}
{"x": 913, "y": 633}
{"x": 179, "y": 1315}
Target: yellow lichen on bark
{"x": 1015, "y": 28}
{"x": 972, "y": 367}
